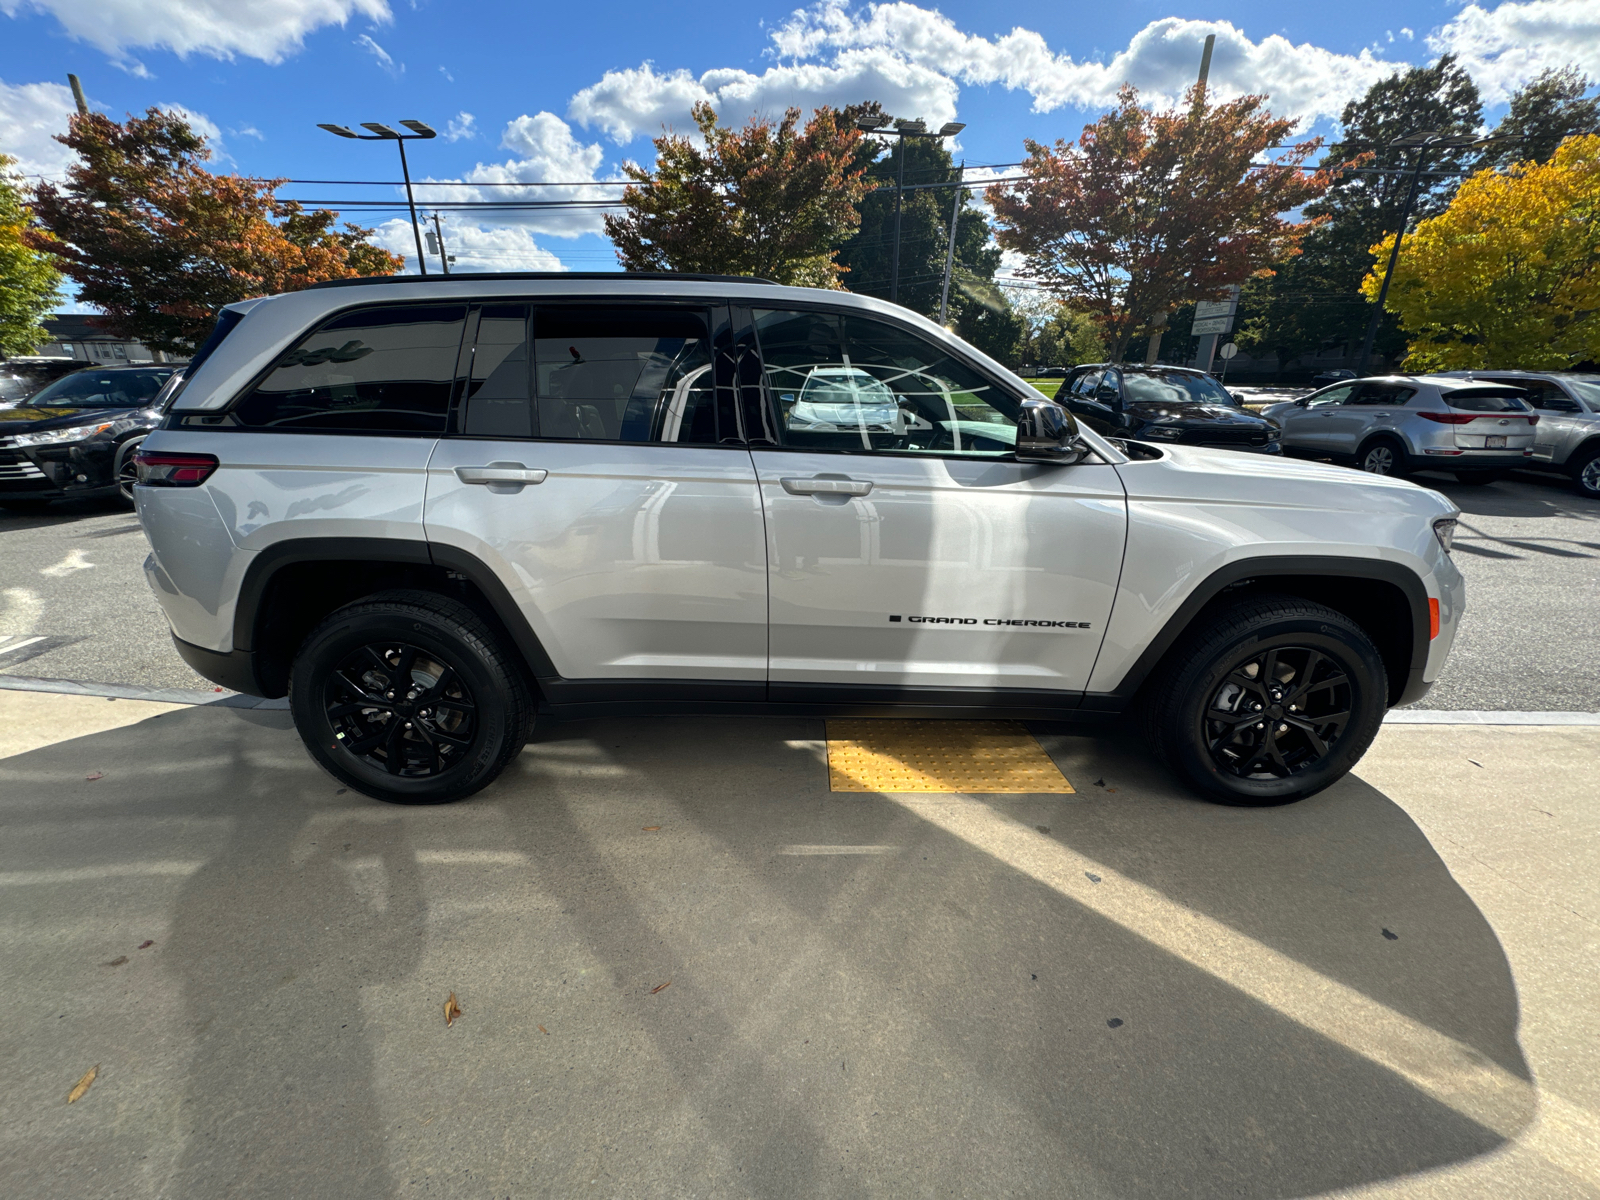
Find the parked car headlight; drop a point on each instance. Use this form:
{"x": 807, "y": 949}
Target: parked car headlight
{"x": 1163, "y": 433}
{"x": 55, "y": 437}
{"x": 1274, "y": 434}
{"x": 1445, "y": 530}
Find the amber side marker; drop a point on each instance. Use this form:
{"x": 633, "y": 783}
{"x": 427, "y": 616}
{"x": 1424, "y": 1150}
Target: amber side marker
{"x": 938, "y": 756}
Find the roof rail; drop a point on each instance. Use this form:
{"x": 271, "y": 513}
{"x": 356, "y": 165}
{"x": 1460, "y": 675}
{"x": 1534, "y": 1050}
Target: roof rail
{"x": 680, "y": 276}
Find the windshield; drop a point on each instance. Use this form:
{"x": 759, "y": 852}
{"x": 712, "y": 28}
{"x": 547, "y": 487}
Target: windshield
{"x": 13, "y": 387}
{"x": 1586, "y": 389}
{"x": 1173, "y": 387}
{"x": 102, "y": 389}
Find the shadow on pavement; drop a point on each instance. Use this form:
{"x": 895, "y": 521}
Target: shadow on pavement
{"x": 865, "y": 994}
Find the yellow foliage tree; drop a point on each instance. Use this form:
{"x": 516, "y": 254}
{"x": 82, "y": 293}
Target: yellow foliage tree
{"x": 1509, "y": 274}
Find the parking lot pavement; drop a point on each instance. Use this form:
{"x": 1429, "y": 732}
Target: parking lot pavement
{"x": 667, "y": 989}
{"x": 74, "y": 604}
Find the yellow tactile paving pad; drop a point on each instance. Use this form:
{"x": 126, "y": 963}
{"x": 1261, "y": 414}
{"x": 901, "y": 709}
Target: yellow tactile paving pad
{"x": 938, "y": 756}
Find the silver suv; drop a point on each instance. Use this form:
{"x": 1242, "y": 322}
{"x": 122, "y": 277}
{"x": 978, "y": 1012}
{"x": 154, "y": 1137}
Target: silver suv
{"x": 1567, "y": 438}
{"x": 430, "y": 510}
{"x": 1402, "y": 423}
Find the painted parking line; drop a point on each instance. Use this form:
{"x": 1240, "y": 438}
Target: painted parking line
{"x": 971, "y": 757}
{"x": 810, "y": 850}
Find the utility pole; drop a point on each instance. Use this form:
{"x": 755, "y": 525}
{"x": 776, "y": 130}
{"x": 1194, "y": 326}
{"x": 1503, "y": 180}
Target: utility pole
{"x": 1152, "y": 351}
{"x": 950, "y": 251}
{"x": 77, "y": 94}
{"x": 438, "y": 233}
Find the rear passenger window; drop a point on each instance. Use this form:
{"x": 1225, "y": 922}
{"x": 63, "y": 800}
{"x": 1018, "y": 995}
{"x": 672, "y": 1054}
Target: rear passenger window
{"x": 499, "y": 396}
{"x": 1384, "y": 394}
{"x": 376, "y": 370}
{"x": 625, "y": 375}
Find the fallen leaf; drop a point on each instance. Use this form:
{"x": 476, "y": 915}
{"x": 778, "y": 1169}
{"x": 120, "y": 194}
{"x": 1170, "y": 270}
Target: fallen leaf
{"x": 1115, "y": 1022}
{"x": 82, "y": 1086}
{"x": 660, "y": 986}
{"x": 146, "y": 945}
{"x": 96, "y": 775}
{"x": 544, "y": 1031}
{"x": 452, "y": 1010}
{"x": 1111, "y": 789}
{"x": 429, "y": 1119}
{"x": 1099, "y": 783}
{"x": 1393, "y": 937}
{"x": 1042, "y": 828}
{"x": 118, "y": 960}
{"x": 652, "y": 829}
{"x": 1475, "y": 762}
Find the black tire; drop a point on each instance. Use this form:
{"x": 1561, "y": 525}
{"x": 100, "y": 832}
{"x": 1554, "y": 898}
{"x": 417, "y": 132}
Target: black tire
{"x": 126, "y": 473}
{"x": 1203, "y": 729}
{"x": 466, "y": 713}
{"x": 1586, "y": 472}
{"x": 1383, "y": 456}
{"x": 1478, "y": 478}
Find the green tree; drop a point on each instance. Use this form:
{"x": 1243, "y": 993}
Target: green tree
{"x": 159, "y": 244}
{"x": 771, "y": 199}
{"x": 1064, "y": 337}
{"x": 1148, "y": 211}
{"x": 29, "y": 282}
{"x": 1313, "y": 299}
{"x": 1543, "y": 113}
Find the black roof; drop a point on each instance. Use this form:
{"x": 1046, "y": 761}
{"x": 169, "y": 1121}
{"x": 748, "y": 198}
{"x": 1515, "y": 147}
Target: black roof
{"x": 604, "y": 276}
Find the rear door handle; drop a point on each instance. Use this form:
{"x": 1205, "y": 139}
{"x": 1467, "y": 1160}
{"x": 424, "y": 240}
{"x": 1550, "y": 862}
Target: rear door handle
{"x": 502, "y": 473}
{"x": 827, "y": 487}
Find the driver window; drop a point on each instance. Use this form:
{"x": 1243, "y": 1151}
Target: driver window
{"x": 846, "y": 382}
{"x": 1332, "y": 396}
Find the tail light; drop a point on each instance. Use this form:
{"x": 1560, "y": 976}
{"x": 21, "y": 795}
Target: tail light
{"x": 1456, "y": 418}
{"x": 160, "y": 469}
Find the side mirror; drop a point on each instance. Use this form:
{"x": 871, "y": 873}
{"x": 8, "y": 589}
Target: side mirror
{"x": 1046, "y": 432}
{"x": 1302, "y": 402}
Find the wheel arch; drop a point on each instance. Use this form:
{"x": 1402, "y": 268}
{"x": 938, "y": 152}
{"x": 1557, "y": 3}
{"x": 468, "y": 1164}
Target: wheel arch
{"x": 1389, "y": 436}
{"x": 291, "y": 586}
{"x": 1387, "y": 600}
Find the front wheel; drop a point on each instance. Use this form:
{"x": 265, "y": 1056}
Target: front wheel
{"x": 1586, "y": 474}
{"x": 1270, "y": 701}
{"x": 128, "y": 470}
{"x": 409, "y": 697}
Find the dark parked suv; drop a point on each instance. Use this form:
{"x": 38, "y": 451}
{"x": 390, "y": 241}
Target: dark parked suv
{"x": 77, "y": 437}
{"x": 1165, "y": 405}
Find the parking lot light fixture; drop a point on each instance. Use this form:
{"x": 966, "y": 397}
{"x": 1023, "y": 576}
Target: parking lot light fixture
{"x": 386, "y": 133}
{"x": 903, "y": 128}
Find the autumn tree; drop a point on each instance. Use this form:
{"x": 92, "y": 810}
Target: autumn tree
{"x": 1509, "y": 274}
{"x": 1551, "y": 107}
{"x": 772, "y": 199}
{"x": 1313, "y": 299}
{"x": 29, "y": 281}
{"x": 159, "y": 244}
{"x": 1149, "y": 211}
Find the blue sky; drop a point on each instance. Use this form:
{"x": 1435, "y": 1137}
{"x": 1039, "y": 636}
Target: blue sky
{"x": 565, "y": 92}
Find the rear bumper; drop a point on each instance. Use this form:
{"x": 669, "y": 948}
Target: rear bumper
{"x": 1474, "y": 460}
{"x": 233, "y": 669}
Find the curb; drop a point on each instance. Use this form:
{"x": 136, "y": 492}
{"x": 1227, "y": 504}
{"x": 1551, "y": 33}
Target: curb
{"x": 226, "y": 699}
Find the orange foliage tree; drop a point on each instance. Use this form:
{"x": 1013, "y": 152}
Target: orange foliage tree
{"x": 159, "y": 244}
{"x": 1149, "y": 211}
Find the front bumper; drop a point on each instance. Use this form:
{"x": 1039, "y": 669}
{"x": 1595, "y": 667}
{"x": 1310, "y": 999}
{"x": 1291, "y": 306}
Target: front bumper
{"x": 57, "y": 472}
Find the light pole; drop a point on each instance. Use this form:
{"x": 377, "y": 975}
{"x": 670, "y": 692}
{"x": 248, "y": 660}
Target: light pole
{"x": 1422, "y": 142}
{"x": 902, "y": 129}
{"x": 382, "y": 133}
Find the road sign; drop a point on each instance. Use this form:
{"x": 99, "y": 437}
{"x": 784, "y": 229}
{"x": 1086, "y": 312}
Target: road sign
{"x": 1212, "y": 325}
{"x": 1228, "y": 351}
{"x": 1215, "y": 316}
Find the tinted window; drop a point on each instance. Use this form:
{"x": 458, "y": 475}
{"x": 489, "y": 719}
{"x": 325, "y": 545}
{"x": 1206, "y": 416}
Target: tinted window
{"x": 853, "y": 383}
{"x": 625, "y": 374}
{"x": 102, "y": 389}
{"x": 380, "y": 370}
{"x": 1086, "y": 384}
{"x": 499, "y": 396}
{"x": 1543, "y": 395}
{"x": 1486, "y": 399}
{"x": 1173, "y": 387}
{"x": 1390, "y": 394}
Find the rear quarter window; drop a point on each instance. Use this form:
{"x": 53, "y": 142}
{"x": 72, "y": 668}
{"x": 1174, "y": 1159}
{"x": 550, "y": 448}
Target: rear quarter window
{"x": 375, "y": 370}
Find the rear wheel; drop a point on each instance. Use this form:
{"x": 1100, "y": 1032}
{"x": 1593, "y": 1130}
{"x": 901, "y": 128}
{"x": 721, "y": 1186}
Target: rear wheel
{"x": 409, "y": 697}
{"x": 1270, "y": 701}
{"x": 1586, "y": 472}
{"x": 1383, "y": 457}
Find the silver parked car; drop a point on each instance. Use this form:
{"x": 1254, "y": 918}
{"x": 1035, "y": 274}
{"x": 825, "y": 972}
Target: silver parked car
{"x": 1567, "y": 438}
{"x": 1402, "y": 423}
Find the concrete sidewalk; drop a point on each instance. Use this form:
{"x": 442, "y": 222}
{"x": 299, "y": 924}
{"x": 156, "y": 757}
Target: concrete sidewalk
{"x": 1386, "y": 990}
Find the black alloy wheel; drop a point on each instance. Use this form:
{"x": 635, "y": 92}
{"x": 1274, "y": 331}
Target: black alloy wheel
{"x": 1266, "y": 701}
{"x": 410, "y": 697}
{"x": 128, "y": 470}
{"x": 400, "y": 709}
{"x": 1281, "y": 712}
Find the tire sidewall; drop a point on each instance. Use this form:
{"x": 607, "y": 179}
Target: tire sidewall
{"x": 1369, "y": 700}
{"x": 1578, "y": 472}
{"x": 329, "y": 646}
{"x": 1397, "y": 458}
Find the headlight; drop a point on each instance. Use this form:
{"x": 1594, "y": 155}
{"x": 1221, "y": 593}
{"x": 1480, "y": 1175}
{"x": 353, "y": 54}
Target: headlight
{"x": 1274, "y": 434}
{"x": 54, "y": 437}
{"x": 1162, "y": 433}
{"x": 1445, "y": 530}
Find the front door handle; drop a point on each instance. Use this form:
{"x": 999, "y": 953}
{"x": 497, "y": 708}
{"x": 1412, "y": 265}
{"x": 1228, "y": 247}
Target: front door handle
{"x": 827, "y": 487}
{"x": 502, "y": 472}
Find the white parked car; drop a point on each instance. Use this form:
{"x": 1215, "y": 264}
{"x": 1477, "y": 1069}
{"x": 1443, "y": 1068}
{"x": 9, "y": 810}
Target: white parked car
{"x": 429, "y": 509}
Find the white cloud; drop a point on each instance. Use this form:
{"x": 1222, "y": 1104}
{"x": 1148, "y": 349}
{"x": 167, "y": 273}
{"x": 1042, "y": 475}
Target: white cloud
{"x": 266, "y": 29}
{"x": 475, "y": 248}
{"x": 460, "y": 126}
{"x": 625, "y": 104}
{"x": 249, "y": 131}
{"x": 1504, "y": 47}
{"x": 30, "y": 115}
{"x": 449, "y": 77}
{"x": 544, "y": 150}
{"x": 385, "y": 59}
